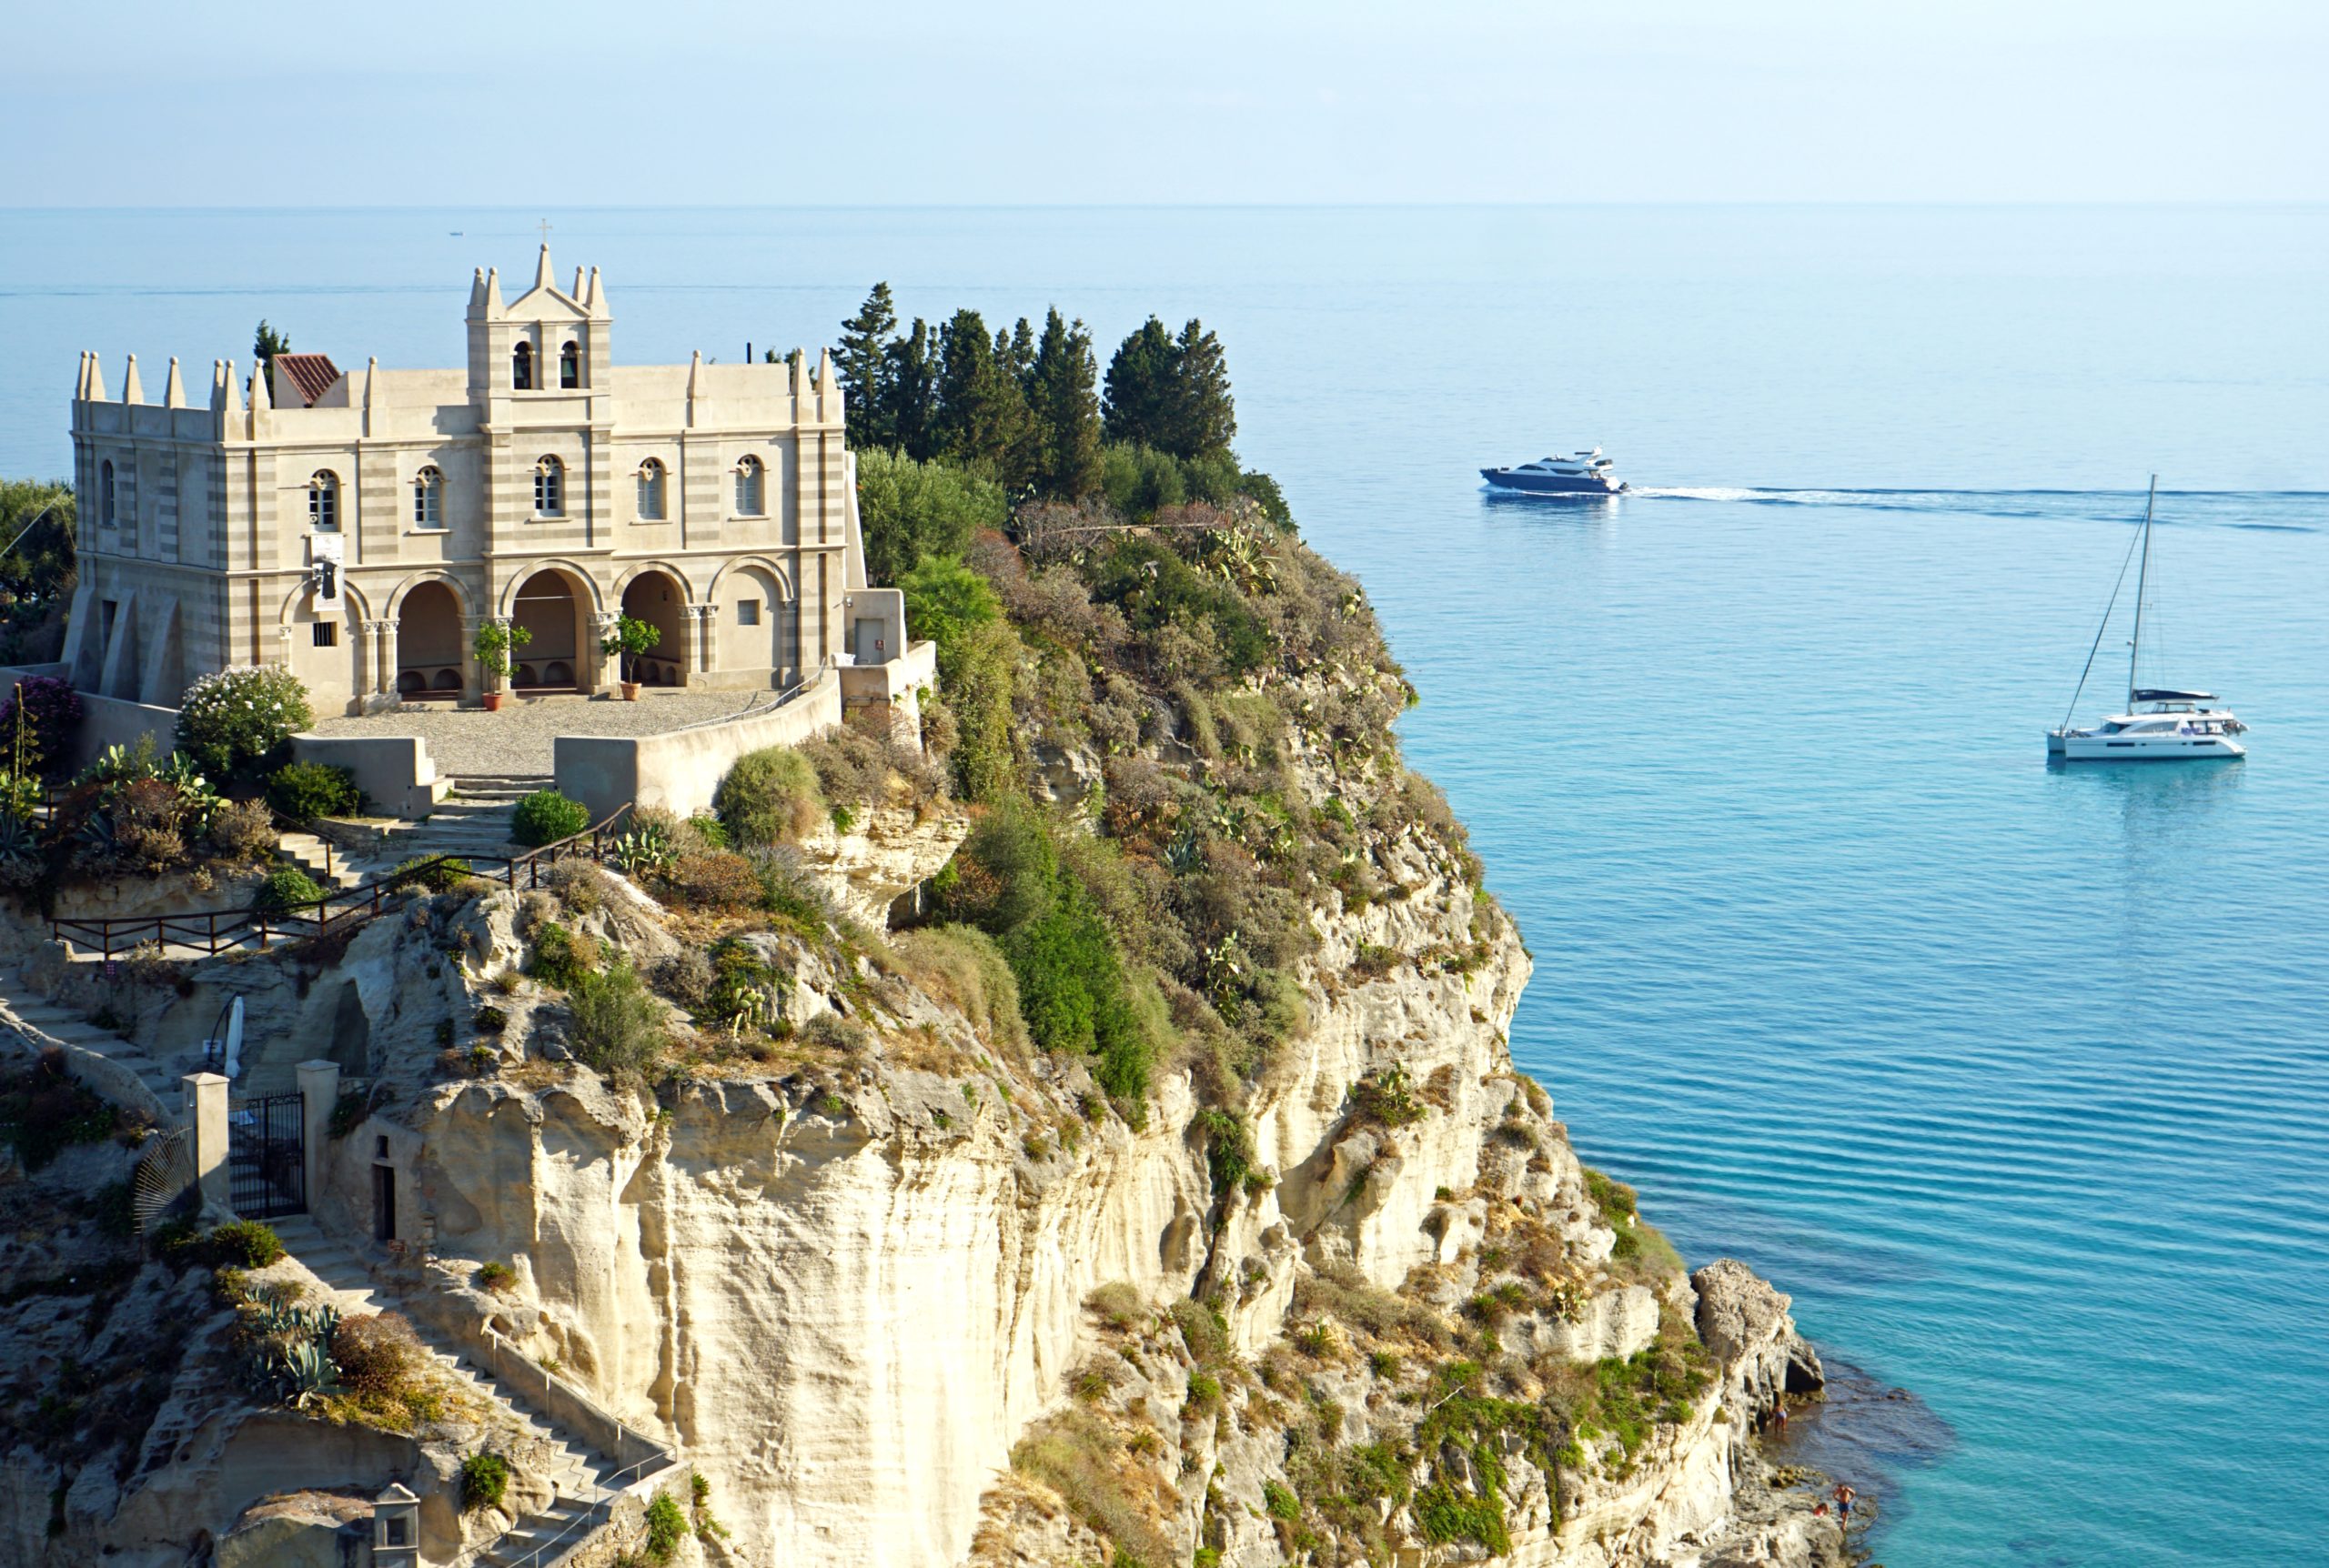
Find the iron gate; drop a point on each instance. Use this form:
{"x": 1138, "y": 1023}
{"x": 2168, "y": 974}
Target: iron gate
{"x": 266, "y": 1156}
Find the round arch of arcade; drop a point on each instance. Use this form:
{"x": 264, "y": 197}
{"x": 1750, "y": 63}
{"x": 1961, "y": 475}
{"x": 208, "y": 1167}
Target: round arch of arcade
{"x": 431, "y": 611}
{"x": 557, "y": 604}
{"x": 658, "y": 593}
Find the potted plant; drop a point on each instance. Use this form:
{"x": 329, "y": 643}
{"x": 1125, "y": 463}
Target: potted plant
{"x": 629, "y": 639}
{"x": 494, "y": 641}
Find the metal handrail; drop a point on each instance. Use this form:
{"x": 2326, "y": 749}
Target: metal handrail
{"x": 365, "y": 901}
{"x": 601, "y": 1506}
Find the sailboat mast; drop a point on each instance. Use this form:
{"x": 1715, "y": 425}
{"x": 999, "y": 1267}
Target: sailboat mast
{"x": 2135, "y": 645}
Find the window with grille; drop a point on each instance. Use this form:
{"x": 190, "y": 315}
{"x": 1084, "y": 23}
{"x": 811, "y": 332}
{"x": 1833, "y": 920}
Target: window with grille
{"x": 323, "y": 502}
{"x": 326, "y": 634}
{"x": 747, "y": 612}
{"x": 749, "y": 495}
{"x": 549, "y": 487}
{"x": 650, "y": 491}
{"x": 429, "y": 499}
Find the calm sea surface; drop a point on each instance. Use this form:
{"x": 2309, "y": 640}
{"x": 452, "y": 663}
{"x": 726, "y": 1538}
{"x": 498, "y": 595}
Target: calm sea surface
{"x": 2015, "y": 1077}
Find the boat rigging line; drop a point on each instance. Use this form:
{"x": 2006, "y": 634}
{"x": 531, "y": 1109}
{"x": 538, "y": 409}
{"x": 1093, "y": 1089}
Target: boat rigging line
{"x": 2124, "y": 562}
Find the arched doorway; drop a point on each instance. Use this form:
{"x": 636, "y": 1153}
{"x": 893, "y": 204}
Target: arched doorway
{"x": 552, "y": 659}
{"x": 657, "y": 598}
{"x": 429, "y": 645}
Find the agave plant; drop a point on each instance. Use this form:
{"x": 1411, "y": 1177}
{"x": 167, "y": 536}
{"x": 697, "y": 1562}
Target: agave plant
{"x": 646, "y": 847}
{"x": 20, "y": 856}
{"x": 308, "y": 1373}
{"x": 95, "y": 840}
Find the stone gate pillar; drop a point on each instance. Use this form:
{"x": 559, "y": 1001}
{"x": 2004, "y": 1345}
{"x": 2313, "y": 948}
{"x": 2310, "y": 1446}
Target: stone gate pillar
{"x": 318, "y": 1093}
{"x": 205, "y": 1113}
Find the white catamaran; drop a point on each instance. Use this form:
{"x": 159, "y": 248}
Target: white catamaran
{"x": 2162, "y": 724}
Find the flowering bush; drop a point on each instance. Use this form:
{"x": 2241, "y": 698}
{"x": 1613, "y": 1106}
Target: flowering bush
{"x": 51, "y": 713}
{"x": 230, "y": 722}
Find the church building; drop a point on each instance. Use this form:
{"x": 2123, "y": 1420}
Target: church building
{"x": 358, "y": 526}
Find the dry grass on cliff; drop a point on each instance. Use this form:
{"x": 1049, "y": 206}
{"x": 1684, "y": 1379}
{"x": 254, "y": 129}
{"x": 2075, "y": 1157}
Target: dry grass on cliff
{"x": 1081, "y": 1458}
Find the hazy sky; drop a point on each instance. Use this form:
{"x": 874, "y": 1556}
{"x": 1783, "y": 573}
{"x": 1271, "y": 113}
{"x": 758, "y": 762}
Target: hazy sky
{"x": 424, "y": 101}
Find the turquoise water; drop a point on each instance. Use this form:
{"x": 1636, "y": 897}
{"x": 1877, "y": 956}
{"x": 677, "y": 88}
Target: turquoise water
{"x": 2014, "y": 1078}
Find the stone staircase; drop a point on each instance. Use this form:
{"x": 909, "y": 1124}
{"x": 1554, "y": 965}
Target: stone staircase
{"x": 580, "y": 1475}
{"x": 473, "y": 820}
{"x": 45, "y": 1020}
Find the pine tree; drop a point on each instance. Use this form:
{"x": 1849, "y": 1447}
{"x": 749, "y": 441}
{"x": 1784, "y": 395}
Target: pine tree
{"x": 1021, "y": 353}
{"x": 1139, "y": 405}
{"x": 265, "y": 343}
{"x": 1066, "y": 408}
{"x": 866, "y": 341}
{"x": 909, "y": 392}
{"x": 982, "y": 408}
{"x": 1204, "y": 415}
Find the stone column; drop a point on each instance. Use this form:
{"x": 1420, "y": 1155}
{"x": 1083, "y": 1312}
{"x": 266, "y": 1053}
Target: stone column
{"x": 318, "y": 1093}
{"x": 609, "y": 668}
{"x": 472, "y": 673}
{"x": 704, "y": 658}
{"x": 204, "y": 1109}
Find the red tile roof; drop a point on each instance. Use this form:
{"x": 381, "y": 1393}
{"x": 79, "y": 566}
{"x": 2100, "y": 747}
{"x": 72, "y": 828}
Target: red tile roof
{"x": 312, "y": 374}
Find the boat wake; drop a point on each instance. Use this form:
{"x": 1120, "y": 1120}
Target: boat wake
{"x": 2272, "y": 511}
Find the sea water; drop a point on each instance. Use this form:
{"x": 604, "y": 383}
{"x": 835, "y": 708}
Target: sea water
{"x": 2014, "y": 1077}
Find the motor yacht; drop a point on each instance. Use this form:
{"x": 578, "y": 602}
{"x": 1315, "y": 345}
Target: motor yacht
{"x": 2161, "y": 724}
{"x": 1586, "y": 474}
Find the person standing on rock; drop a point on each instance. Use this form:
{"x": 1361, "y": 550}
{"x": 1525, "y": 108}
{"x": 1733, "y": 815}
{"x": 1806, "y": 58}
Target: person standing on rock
{"x": 1844, "y": 1496}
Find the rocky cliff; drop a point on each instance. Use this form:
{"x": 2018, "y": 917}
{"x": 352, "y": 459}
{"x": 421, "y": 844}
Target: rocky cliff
{"x": 1160, "y": 1190}
{"x": 919, "y": 1294}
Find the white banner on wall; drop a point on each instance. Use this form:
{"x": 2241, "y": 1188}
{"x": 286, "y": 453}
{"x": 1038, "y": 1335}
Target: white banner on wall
{"x": 323, "y": 570}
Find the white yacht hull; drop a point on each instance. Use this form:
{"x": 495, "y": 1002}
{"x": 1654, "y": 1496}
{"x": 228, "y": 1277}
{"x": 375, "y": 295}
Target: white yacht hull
{"x": 2143, "y": 748}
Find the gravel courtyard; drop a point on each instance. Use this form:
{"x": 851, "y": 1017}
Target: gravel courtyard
{"x": 464, "y": 741}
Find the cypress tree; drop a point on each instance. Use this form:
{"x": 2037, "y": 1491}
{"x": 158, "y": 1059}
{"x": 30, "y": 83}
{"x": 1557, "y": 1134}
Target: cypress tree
{"x": 1066, "y": 407}
{"x": 866, "y": 339}
{"x": 1140, "y": 397}
{"x": 1205, "y": 415}
{"x": 982, "y": 408}
{"x": 1020, "y": 351}
{"x": 909, "y": 392}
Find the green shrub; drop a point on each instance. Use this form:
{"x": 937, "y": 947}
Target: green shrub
{"x": 770, "y": 797}
{"x": 719, "y": 879}
{"x": 378, "y": 1354}
{"x": 437, "y": 875}
{"x": 43, "y": 1111}
{"x": 287, "y": 887}
{"x": 667, "y": 1526}
{"x": 232, "y": 723}
{"x": 910, "y": 510}
{"x": 306, "y": 791}
{"x": 619, "y": 1029}
{"x": 485, "y": 1479}
{"x": 560, "y": 958}
{"x": 244, "y": 1244}
{"x": 546, "y": 816}
{"x": 242, "y": 832}
{"x": 1280, "y": 1503}
{"x": 498, "y": 1278}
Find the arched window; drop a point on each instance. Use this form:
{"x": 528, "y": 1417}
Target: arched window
{"x": 549, "y": 487}
{"x": 749, "y": 497}
{"x": 522, "y": 368}
{"x": 569, "y": 366}
{"x": 105, "y": 494}
{"x": 650, "y": 491}
{"x": 429, "y": 499}
{"x": 323, "y": 501}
